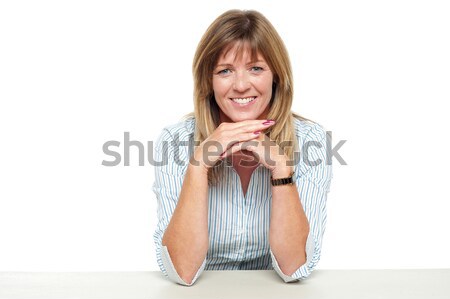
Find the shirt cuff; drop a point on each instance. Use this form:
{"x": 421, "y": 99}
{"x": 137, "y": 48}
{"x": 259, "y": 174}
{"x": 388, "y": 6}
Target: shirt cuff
{"x": 170, "y": 269}
{"x": 304, "y": 270}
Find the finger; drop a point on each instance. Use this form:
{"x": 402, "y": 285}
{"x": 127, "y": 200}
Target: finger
{"x": 234, "y": 148}
{"x": 230, "y": 133}
{"x": 239, "y": 146}
{"x": 247, "y": 136}
{"x": 244, "y": 138}
{"x": 253, "y": 126}
{"x": 245, "y": 133}
{"x": 249, "y": 125}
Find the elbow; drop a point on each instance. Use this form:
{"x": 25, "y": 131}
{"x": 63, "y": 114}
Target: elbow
{"x": 184, "y": 277}
{"x": 187, "y": 278}
{"x": 291, "y": 268}
{"x": 186, "y": 273}
{"x": 180, "y": 270}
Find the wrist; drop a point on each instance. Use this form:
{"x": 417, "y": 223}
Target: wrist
{"x": 197, "y": 168}
{"x": 196, "y": 162}
{"x": 282, "y": 170}
{"x": 288, "y": 180}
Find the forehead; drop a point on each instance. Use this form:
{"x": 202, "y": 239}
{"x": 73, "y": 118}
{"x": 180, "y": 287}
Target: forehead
{"x": 240, "y": 50}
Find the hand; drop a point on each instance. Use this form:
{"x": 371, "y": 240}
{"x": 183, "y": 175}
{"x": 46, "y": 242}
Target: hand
{"x": 227, "y": 135}
{"x": 267, "y": 152}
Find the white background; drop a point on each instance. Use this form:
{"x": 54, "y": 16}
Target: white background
{"x": 75, "y": 74}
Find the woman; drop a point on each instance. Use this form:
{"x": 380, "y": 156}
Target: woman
{"x": 246, "y": 196}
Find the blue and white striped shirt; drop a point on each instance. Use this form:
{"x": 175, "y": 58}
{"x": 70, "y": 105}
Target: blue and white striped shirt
{"x": 238, "y": 225}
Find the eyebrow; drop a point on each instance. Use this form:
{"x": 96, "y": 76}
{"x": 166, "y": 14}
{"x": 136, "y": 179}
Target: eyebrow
{"x": 251, "y": 62}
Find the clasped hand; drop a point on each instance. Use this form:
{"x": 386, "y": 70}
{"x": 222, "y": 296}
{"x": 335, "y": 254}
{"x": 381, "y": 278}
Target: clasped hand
{"x": 248, "y": 135}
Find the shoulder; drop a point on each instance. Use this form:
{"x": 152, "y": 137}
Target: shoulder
{"x": 183, "y": 130}
{"x": 313, "y": 161}
{"x": 307, "y": 130}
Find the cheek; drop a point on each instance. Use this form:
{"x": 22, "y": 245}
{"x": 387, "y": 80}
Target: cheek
{"x": 220, "y": 87}
{"x": 265, "y": 86}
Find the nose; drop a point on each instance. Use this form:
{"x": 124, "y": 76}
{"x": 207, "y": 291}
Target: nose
{"x": 241, "y": 81}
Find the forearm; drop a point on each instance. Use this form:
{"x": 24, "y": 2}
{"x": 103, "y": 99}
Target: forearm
{"x": 289, "y": 228}
{"x": 186, "y": 236}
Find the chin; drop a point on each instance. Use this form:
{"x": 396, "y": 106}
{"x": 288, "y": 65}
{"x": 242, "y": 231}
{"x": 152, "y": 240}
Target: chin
{"x": 237, "y": 118}
{"x": 229, "y": 117}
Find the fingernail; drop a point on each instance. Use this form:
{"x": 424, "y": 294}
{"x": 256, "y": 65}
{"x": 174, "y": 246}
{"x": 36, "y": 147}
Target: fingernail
{"x": 268, "y": 122}
{"x": 257, "y": 132}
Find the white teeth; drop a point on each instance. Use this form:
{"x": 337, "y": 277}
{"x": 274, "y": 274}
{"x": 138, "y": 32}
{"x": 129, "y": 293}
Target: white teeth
{"x": 243, "y": 100}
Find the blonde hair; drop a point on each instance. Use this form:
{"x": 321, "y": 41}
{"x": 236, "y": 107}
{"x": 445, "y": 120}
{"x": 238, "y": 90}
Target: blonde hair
{"x": 252, "y": 28}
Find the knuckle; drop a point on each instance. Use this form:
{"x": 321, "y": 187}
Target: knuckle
{"x": 242, "y": 136}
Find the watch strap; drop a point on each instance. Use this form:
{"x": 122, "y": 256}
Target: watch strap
{"x": 282, "y": 181}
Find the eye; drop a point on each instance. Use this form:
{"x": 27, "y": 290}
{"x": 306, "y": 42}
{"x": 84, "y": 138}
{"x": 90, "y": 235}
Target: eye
{"x": 224, "y": 72}
{"x": 256, "y": 69}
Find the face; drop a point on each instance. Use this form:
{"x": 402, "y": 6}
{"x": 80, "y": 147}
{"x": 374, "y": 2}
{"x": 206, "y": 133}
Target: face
{"x": 242, "y": 87}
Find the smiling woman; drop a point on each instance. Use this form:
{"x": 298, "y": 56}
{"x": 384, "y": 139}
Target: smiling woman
{"x": 244, "y": 200}
{"x": 242, "y": 85}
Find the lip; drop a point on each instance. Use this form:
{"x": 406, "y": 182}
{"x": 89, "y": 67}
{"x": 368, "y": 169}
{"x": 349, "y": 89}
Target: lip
{"x": 244, "y": 105}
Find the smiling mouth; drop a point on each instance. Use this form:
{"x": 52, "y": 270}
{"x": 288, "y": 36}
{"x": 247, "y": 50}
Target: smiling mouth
{"x": 243, "y": 100}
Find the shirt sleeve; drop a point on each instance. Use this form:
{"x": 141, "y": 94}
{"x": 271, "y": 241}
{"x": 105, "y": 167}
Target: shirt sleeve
{"x": 313, "y": 174}
{"x": 170, "y": 168}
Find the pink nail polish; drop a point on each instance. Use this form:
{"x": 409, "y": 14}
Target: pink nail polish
{"x": 268, "y": 122}
{"x": 257, "y": 132}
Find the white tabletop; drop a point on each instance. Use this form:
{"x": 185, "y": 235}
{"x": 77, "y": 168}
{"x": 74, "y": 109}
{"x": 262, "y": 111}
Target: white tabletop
{"x": 346, "y": 284}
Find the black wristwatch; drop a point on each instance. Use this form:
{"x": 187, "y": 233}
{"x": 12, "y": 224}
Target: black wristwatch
{"x": 282, "y": 181}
